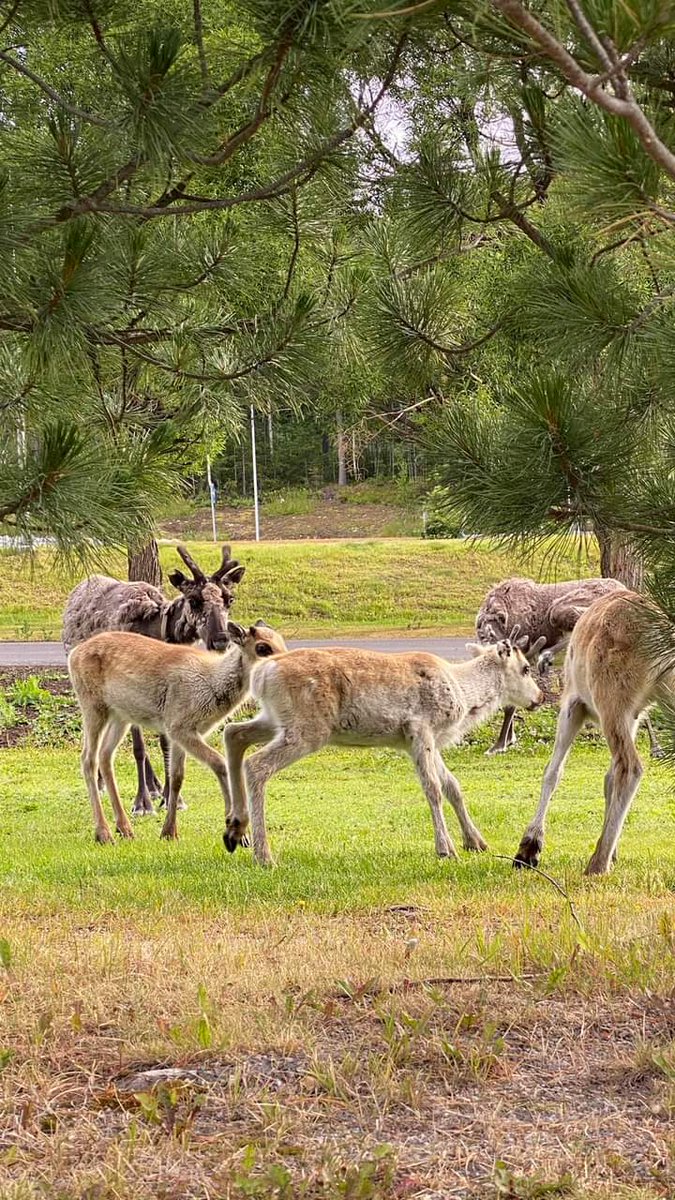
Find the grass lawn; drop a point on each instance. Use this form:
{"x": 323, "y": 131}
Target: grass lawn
{"x": 319, "y": 589}
{"x": 363, "y": 1021}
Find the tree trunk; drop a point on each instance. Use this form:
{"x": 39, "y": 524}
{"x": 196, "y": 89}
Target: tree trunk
{"x": 341, "y": 451}
{"x": 619, "y": 560}
{"x": 144, "y": 564}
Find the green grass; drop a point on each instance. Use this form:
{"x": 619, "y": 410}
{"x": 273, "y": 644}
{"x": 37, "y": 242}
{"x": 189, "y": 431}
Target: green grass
{"x": 349, "y": 830}
{"x": 290, "y": 502}
{"x": 320, "y": 589}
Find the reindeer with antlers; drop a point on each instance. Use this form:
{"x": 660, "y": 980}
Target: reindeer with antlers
{"x": 102, "y": 604}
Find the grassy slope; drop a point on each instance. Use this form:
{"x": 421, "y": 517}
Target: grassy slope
{"x": 315, "y": 588}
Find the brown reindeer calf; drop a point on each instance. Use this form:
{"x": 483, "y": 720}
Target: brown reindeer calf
{"x": 612, "y": 675}
{"x": 416, "y": 702}
{"x": 122, "y": 679}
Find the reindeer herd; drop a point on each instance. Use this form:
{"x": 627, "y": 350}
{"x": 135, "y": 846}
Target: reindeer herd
{"x": 134, "y": 663}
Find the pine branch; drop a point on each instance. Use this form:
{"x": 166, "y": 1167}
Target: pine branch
{"x": 263, "y": 112}
{"x": 585, "y": 27}
{"x": 80, "y": 113}
{"x": 296, "y": 245}
{"x": 275, "y": 188}
{"x": 98, "y": 34}
{"x": 235, "y": 78}
{"x": 205, "y": 376}
{"x": 590, "y": 85}
{"x": 511, "y": 211}
{"x": 10, "y": 15}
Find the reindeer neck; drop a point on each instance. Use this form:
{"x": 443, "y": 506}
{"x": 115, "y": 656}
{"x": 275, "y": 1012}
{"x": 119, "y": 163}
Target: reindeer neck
{"x": 177, "y": 627}
{"x": 481, "y": 681}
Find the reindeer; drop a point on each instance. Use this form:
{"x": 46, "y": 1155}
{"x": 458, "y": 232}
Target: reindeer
{"x": 612, "y": 674}
{"x": 416, "y": 702}
{"x": 546, "y": 614}
{"x": 183, "y": 692}
{"x": 200, "y": 611}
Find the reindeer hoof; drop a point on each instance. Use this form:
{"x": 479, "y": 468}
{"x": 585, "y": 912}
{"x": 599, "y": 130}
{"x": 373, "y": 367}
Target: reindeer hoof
{"x": 171, "y": 835}
{"x": 477, "y": 846}
{"x": 142, "y": 807}
{"x": 125, "y": 831}
{"x": 234, "y": 835}
{"x": 180, "y": 807}
{"x": 657, "y": 752}
{"x": 529, "y": 852}
{"x": 103, "y": 836}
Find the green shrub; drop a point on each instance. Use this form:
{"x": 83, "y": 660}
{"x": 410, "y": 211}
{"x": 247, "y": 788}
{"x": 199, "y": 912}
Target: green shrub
{"x": 442, "y": 519}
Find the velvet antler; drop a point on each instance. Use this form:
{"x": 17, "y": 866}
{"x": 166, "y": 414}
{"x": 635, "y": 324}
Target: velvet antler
{"x": 229, "y": 569}
{"x": 190, "y": 563}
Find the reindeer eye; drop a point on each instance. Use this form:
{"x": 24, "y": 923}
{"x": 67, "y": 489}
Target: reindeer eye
{"x": 526, "y": 670}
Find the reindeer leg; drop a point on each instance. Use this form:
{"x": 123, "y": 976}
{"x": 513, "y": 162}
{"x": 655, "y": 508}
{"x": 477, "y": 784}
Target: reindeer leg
{"x": 154, "y": 785}
{"x": 422, "y": 750}
{"x": 573, "y": 713}
{"x": 166, "y": 755}
{"x": 142, "y": 804}
{"x": 621, "y": 784}
{"x": 507, "y": 736}
{"x": 655, "y": 748}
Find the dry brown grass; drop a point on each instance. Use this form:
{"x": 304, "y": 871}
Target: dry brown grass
{"x": 309, "y": 1057}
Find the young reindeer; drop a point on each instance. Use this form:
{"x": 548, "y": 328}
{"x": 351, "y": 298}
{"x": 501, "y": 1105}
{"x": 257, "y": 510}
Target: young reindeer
{"x": 201, "y": 610}
{"x": 415, "y": 702}
{"x": 612, "y": 675}
{"x": 122, "y": 679}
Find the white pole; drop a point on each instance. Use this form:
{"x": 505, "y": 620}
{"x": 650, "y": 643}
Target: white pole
{"x": 255, "y": 478}
{"x": 212, "y": 498}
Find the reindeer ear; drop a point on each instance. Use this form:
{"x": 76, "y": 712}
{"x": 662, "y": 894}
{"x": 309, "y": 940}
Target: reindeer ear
{"x": 178, "y": 579}
{"x": 261, "y": 625}
{"x": 237, "y": 632}
{"x": 504, "y": 649}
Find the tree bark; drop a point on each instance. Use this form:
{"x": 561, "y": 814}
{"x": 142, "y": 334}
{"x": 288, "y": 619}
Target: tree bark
{"x": 341, "y": 451}
{"x": 144, "y": 564}
{"x": 619, "y": 560}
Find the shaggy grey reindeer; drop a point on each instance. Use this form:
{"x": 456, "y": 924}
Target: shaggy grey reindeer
{"x": 102, "y": 604}
{"x": 546, "y": 613}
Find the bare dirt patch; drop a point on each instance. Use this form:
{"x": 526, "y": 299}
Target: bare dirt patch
{"x": 331, "y": 519}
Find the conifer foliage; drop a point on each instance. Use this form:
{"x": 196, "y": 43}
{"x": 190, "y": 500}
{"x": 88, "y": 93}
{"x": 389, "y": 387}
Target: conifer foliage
{"x": 170, "y": 225}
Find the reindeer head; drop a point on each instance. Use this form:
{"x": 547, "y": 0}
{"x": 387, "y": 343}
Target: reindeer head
{"x": 520, "y": 688}
{"x": 491, "y": 623}
{"x": 207, "y": 600}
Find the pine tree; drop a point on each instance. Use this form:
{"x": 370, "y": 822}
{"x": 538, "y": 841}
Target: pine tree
{"x": 173, "y": 179}
{"x": 527, "y": 290}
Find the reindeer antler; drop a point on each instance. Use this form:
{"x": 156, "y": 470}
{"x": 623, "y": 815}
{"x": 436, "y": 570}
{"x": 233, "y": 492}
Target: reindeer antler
{"x": 514, "y": 634}
{"x": 190, "y": 563}
{"x": 229, "y": 568}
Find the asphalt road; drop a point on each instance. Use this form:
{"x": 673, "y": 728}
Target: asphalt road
{"x": 52, "y": 654}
